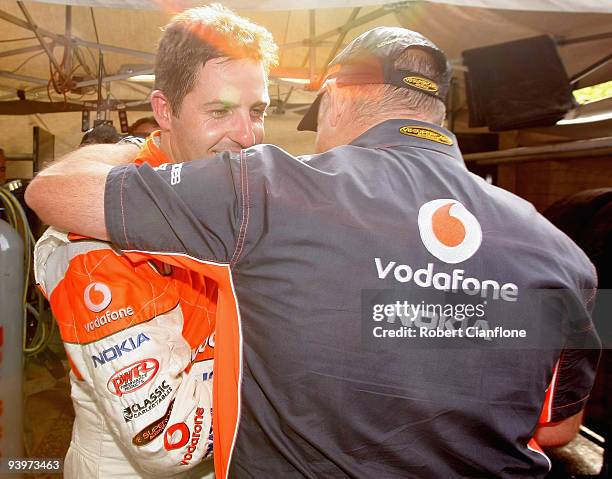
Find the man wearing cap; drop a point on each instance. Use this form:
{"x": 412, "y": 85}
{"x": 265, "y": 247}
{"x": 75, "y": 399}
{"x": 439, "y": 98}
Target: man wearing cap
{"x": 377, "y": 302}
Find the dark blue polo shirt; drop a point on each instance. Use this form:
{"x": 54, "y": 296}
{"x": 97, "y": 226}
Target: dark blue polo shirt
{"x": 395, "y": 310}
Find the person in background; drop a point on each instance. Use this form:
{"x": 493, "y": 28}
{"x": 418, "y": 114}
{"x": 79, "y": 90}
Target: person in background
{"x": 139, "y": 334}
{"x": 143, "y": 127}
{"x": 379, "y": 303}
{"x": 103, "y": 133}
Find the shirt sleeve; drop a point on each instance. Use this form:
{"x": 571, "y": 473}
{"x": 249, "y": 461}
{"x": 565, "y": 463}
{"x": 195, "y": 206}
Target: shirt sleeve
{"x": 194, "y": 208}
{"x": 575, "y": 371}
{"x": 572, "y": 382}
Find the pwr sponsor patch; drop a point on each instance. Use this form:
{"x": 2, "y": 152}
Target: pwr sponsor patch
{"x": 132, "y": 377}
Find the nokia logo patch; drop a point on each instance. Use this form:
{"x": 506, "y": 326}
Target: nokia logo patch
{"x": 118, "y": 350}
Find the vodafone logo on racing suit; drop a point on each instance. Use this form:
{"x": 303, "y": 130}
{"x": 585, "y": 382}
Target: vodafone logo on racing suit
{"x": 97, "y": 297}
{"x": 176, "y": 436}
{"x": 132, "y": 377}
{"x": 198, "y": 353}
{"x": 449, "y": 231}
{"x": 96, "y": 303}
{"x": 195, "y": 437}
{"x": 201, "y": 358}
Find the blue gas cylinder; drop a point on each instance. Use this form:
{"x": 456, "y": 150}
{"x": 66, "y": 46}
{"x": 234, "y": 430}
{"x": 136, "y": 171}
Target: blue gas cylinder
{"x": 11, "y": 341}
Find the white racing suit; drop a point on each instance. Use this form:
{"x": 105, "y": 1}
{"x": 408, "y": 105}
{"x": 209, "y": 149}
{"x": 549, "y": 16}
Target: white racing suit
{"x": 139, "y": 340}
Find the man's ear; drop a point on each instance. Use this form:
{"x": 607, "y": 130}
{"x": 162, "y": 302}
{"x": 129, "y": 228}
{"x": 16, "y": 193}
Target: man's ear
{"x": 161, "y": 109}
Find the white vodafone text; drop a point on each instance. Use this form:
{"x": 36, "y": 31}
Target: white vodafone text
{"x": 454, "y": 281}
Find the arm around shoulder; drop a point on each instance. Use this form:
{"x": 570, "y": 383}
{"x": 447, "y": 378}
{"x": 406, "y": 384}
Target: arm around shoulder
{"x": 69, "y": 194}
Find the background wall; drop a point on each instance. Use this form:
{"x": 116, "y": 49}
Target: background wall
{"x": 17, "y": 137}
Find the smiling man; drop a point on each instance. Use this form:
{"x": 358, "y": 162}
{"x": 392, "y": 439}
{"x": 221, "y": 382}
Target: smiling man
{"x": 210, "y": 93}
{"x": 139, "y": 335}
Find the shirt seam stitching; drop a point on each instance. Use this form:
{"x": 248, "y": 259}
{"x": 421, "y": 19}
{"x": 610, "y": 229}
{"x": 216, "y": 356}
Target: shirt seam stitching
{"x": 244, "y": 190}
{"x": 121, "y": 192}
{"x": 572, "y": 403}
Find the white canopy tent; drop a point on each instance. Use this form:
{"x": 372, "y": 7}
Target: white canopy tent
{"x": 309, "y": 33}
{"x": 586, "y": 6}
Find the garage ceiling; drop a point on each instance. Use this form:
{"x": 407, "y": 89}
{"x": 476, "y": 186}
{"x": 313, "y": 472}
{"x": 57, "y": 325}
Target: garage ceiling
{"x": 34, "y": 41}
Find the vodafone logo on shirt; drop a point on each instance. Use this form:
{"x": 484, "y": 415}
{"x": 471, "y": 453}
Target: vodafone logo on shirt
{"x": 449, "y": 231}
{"x": 452, "y": 234}
{"x": 97, "y": 297}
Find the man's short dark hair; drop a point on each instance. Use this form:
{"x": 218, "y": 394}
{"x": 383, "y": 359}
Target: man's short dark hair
{"x": 200, "y": 34}
{"x": 142, "y": 121}
{"x": 100, "y": 134}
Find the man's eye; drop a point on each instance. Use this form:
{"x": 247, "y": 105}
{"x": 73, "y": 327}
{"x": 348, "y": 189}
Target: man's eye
{"x": 220, "y": 113}
{"x": 258, "y": 113}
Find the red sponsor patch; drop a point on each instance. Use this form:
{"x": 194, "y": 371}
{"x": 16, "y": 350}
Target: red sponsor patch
{"x": 132, "y": 377}
{"x": 176, "y": 436}
{"x": 153, "y": 430}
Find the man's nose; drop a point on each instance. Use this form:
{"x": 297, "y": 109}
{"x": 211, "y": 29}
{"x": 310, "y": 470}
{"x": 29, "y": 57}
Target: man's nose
{"x": 242, "y": 131}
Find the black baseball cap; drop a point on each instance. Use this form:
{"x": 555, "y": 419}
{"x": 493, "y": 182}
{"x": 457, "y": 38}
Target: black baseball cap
{"x": 370, "y": 59}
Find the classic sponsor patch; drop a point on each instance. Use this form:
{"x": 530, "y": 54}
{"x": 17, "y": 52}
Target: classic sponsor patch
{"x": 132, "y": 377}
{"x": 153, "y": 430}
{"x": 135, "y": 410}
{"x": 425, "y": 134}
{"x": 116, "y": 351}
{"x": 421, "y": 83}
